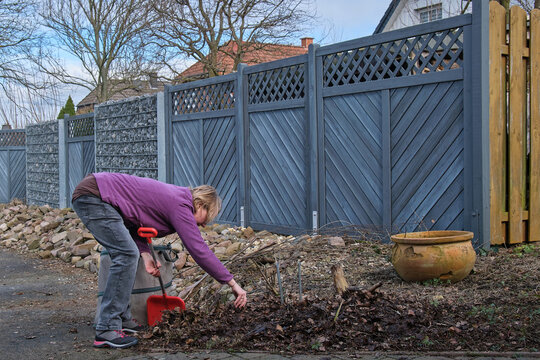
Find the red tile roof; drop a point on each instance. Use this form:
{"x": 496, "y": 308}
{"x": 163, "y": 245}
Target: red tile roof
{"x": 265, "y": 53}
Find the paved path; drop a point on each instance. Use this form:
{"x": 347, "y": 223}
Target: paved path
{"x": 46, "y": 310}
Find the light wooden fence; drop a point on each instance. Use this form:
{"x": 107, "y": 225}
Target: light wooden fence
{"x": 514, "y": 125}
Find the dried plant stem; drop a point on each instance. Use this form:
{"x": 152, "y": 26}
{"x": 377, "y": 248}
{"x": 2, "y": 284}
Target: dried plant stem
{"x": 338, "y": 310}
{"x": 279, "y": 283}
{"x": 299, "y": 280}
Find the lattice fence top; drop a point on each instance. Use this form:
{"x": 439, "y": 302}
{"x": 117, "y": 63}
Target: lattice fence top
{"x": 212, "y": 97}
{"x": 438, "y": 51}
{"x": 12, "y": 138}
{"x": 286, "y": 83}
{"x": 80, "y": 127}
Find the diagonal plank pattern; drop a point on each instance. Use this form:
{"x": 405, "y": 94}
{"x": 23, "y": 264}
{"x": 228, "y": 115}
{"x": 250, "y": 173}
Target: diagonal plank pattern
{"x": 427, "y": 161}
{"x": 220, "y": 163}
{"x": 353, "y": 158}
{"x": 186, "y": 153}
{"x": 277, "y": 167}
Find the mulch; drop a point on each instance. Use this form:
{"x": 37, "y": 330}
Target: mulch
{"x": 496, "y": 308}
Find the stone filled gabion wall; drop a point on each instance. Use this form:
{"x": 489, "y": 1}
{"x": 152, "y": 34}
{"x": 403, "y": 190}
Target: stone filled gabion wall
{"x": 42, "y": 164}
{"x": 126, "y": 136}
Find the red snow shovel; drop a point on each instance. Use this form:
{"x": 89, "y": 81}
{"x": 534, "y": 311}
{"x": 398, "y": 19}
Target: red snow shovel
{"x": 155, "y": 304}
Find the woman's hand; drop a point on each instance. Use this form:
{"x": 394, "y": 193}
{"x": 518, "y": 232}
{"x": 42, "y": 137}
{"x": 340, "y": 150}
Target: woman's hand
{"x": 151, "y": 267}
{"x": 241, "y": 294}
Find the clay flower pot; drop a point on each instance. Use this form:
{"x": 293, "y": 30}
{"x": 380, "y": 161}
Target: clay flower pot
{"x": 444, "y": 255}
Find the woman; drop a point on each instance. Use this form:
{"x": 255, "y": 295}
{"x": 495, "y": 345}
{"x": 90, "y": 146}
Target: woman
{"x": 113, "y": 206}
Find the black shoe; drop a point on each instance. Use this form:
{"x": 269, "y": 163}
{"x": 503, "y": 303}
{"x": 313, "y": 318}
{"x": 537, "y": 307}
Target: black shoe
{"x": 114, "y": 339}
{"x": 132, "y": 326}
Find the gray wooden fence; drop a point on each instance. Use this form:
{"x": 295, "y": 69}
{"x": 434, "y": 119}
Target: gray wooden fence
{"x": 12, "y": 165}
{"x": 376, "y": 131}
{"x": 77, "y": 149}
{"x": 387, "y": 131}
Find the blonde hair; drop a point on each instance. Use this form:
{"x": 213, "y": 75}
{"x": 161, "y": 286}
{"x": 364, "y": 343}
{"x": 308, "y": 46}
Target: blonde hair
{"x": 207, "y": 197}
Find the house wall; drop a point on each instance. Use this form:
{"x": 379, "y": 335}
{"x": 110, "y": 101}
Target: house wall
{"x": 407, "y": 14}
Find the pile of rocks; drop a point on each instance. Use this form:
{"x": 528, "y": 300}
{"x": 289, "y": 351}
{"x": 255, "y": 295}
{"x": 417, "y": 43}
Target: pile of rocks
{"x": 49, "y": 233}
{"x": 59, "y": 233}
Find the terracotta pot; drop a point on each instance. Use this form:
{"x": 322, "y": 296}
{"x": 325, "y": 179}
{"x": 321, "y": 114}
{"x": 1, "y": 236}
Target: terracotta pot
{"x": 444, "y": 255}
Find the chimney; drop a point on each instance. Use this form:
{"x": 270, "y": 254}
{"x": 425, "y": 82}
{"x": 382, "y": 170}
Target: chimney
{"x": 306, "y": 41}
{"x": 6, "y": 126}
{"x": 153, "y": 80}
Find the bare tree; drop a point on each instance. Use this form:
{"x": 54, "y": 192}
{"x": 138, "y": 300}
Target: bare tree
{"x": 28, "y": 106}
{"x": 19, "y": 37}
{"x": 107, "y": 37}
{"x": 198, "y": 29}
{"x": 527, "y": 5}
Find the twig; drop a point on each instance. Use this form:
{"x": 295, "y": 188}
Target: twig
{"x": 279, "y": 283}
{"x": 299, "y": 281}
{"x": 374, "y": 287}
{"x": 266, "y": 279}
{"x": 198, "y": 283}
{"x": 337, "y": 312}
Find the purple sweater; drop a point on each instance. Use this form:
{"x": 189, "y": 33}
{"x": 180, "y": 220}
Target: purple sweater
{"x": 165, "y": 207}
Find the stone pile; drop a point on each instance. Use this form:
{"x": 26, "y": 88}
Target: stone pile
{"x": 59, "y": 233}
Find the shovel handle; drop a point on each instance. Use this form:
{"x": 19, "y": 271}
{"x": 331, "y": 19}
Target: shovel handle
{"x": 149, "y": 233}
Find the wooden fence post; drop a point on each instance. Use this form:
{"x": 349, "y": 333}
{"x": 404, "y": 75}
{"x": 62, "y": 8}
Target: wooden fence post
{"x": 517, "y": 124}
{"x": 534, "y": 190}
{"x": 497, "y": 127}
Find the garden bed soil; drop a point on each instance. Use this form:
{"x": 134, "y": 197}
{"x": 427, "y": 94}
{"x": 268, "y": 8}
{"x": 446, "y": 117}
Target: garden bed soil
{"x": 495, "y": 309}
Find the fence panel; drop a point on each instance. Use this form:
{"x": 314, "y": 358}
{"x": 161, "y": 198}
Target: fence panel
{"x": 393, "y": 123}
{"x": 126, "y": 136}
{"x": 42, "y": 166}
{"x": 427, "y": 157}
{"x": 203, "y": 139}
{"x": 277, "y": 194}
{"x": 514, "y": 126}
{"x": 17, "y": 163}
{"x": 353, "y": 159}
{"x": 80, "y": 150}
{"x": 12, "y": 165}
{"x": 4, "y": 177}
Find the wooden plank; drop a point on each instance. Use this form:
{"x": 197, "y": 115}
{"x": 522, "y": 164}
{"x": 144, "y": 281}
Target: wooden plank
{"x": 497, "y": 126}
{"x": 534, "y": 205}
{"x": 517, "y": 123}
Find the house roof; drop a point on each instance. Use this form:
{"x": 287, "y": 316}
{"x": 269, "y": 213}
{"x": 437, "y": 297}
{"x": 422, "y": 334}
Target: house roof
{"x": 387, "y": 15}
{"x": 265, "y": 53}
{"x": 139, "y": 88}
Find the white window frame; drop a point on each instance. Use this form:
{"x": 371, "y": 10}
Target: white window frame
{"x": 432, "y": 12}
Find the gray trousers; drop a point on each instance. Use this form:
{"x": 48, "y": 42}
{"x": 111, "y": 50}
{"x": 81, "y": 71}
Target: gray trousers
{"x": 108, "y": 228}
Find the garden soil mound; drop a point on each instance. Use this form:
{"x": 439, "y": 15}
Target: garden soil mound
{"x": 496, "y": 308}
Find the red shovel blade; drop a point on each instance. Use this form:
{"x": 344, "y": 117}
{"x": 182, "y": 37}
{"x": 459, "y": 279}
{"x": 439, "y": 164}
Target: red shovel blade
{"x": 155, "y": 304}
